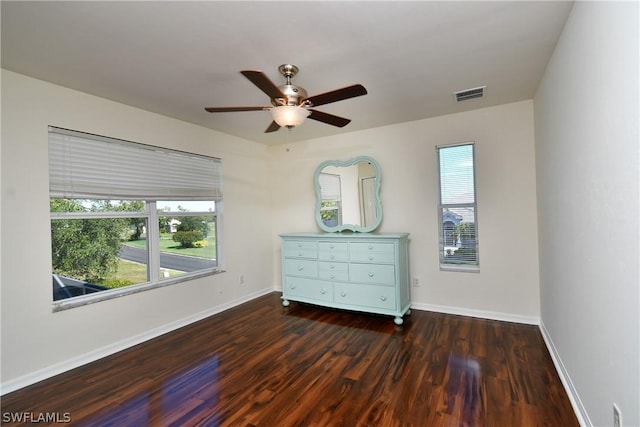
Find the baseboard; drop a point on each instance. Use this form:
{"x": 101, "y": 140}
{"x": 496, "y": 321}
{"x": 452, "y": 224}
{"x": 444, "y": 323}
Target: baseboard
{"x": 75, "y": 362}
{"x": 491, "y": 315}
{"x": 574, "y": 398}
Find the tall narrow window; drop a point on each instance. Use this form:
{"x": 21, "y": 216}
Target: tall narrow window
{"x": 127, "y": 217}
{"x": 457, "y": 208}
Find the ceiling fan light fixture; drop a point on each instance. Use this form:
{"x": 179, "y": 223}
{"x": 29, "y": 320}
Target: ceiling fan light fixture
{"x": 291, "y": 105}
{"x": 289, "y": 115}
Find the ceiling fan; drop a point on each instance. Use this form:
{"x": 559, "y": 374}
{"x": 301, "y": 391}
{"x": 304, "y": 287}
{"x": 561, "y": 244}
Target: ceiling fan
{"x": 290, "y": 103}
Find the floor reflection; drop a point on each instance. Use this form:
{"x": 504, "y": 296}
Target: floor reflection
{"x": 463, "y": 389}
{"x": 173, "y": 401}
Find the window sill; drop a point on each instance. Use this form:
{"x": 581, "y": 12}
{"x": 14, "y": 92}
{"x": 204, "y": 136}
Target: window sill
{"x": 460, "y": 268}
{"x": 81, "y": 301}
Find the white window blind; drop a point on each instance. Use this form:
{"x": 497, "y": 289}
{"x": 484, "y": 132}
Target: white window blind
{"x": 94, "y": 167}
{"x": 456, "y": 175}
{"x": 330, "y": 187}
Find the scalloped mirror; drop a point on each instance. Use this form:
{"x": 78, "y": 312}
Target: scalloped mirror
{"x": 348, "y": 195}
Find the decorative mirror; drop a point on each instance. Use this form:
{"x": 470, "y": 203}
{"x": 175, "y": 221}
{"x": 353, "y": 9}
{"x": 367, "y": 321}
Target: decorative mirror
{"x": 348, "y": 195}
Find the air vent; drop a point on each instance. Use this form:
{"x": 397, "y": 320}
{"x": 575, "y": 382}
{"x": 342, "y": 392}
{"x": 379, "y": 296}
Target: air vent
{"x": 476, "y": 92}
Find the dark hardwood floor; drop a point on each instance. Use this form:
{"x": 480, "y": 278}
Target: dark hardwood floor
{"x": 261, "y": 364}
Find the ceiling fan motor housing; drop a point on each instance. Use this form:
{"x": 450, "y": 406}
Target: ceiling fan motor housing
{"x": 294, "y": 94}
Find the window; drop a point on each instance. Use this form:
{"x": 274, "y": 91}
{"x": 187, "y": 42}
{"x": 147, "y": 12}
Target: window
{"x": 457, "y": 208}
{"x": 331, "y": 204}
{"x": 127, "y": 217}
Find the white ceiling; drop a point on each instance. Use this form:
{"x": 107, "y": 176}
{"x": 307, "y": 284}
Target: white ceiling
{"x": 175, "y": 58}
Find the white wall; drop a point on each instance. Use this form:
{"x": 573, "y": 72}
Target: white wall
{"x": 507, "y": 285}
{"x": 586, "y": 122}
{"x": 36, "y": 342}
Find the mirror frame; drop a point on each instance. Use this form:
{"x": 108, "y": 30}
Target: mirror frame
{"x": 376, "y": 195}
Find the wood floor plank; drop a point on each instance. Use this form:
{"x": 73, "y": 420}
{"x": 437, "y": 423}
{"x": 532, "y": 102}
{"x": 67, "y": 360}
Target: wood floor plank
{"x": 260, "y": 364}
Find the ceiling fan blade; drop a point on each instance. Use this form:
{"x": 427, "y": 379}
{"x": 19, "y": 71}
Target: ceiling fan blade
{"x": 272, "y": 127}
{"x": 336, "y": 95}
{"x": 261, "y": 80}
{"x": 234, "y": 109}
{"x": 329, "y": 119}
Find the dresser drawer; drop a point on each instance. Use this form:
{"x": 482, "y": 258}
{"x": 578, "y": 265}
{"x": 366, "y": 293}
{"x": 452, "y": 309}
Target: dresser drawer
{"x": 372, "y": 252}
{"x": 382, "y": 274}
{"x": 365, "y": 295}
{"x": 308, "y": 288}
{"x": 300, "y": 249}
{"x": 300, "y": 267}
{"x": 334, "y": 271}
{"x": 333, "y": 251}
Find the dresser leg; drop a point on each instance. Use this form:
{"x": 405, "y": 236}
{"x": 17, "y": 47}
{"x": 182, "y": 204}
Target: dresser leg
{"x": 398, "y": 320}
{"x": 285, "y": 302}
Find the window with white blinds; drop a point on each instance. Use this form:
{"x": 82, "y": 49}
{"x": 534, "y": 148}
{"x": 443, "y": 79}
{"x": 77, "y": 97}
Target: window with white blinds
{"x": 127, "y": 217}
{"x": 457, "y": 209}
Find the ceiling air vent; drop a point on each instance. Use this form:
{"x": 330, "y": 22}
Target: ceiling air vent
{"x": 476, "y": 92}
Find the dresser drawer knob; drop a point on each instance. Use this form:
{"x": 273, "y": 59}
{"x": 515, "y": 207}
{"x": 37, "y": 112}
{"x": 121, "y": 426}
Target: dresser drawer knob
{"x": 331, "y": 246}
{"x": 299, "y": 253}
{"x": 323, "y": 291}
{"x": 299, "y": 245}
{"x": 370, "y": 258}
{"x": 293, "y": 286}
{"x": 343, "y": 294}
{"x": 370, "y": 246}
{"x": 300, "y": 268}
{"x": 333, "y": 276}
{"x": 383, "y": 298}
{"x": 332, "y": 256}
{"x": 332, "y": 267}
{"x": 371, "y": 274}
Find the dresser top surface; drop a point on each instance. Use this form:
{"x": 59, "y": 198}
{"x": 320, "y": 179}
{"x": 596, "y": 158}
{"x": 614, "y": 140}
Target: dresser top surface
{"x": 345, "y": 235}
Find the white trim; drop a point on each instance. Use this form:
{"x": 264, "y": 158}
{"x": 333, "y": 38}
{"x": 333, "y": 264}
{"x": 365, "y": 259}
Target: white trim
{"x": 460, "y": 268}
{"x": 83, "y": 359}
{"x": 454, "y": 144}
{"x": 153, "y": 243}
{"x": 82, "y": 300}
{"x": 491, "y": 315}
{"x": 574, "y": 398}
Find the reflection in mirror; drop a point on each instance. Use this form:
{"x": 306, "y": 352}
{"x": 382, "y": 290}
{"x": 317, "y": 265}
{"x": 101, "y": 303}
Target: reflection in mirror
{"x": 348, "y": 195}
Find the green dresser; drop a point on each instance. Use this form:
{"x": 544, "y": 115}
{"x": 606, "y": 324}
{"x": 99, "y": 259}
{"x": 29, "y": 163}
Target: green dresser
{"x": 354, "y": 271}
